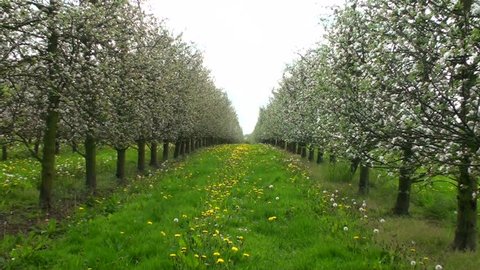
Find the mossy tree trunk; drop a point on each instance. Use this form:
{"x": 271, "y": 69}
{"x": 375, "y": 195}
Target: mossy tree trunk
{"x": 52, "y": 114}
{"x": 57, "y": 147}
{"x": 176, "y": 152}
{"x": 187, "y": 146}
{"x": 90, "y": 163}
{"x": 364, "y": 181}
{"x": 466, "y": 227}
{"x": 4, "y": 152}
{"x": 36, "y": 147}
{"x": 182, "y": 148}
{"x": 121, "y": 158}
{"x": 141, "y": 156}
{"x": 319, "y": 156}
{"x": 311, "y": 153}
{"x": 402, "y": 204}
{"x": 166, "y": 149}
{"x": 154, "y": 155}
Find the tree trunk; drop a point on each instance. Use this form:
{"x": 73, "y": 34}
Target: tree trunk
{"x": 466, "y": 227}
{"x": 363, "y": 183}
{"x": 298, "y": 149}
{"x": 310, "y": 153}
{"x": 402, "y": 204}
{"x": 165, "y": 150}
{"x": 153, "y": 155}
{"x": 187, "y": 147}
{"x": 176, "y": 153}
{"x": 57, "y": 147}
{"x": 333, "y": 158}
{"x": 36, "y": 147}
{"x": 121, "y": 158}
{"x": 141, "y": 156}
{"x": 182, "y": 148}
{"x": 4, "y": 152}
{"x": 52, "y": 114}
{"x": 90, "y": 163}
{"x": 319, "y": 156}
{"x": 354, "y": 165}
{"x": 74, "y": 147}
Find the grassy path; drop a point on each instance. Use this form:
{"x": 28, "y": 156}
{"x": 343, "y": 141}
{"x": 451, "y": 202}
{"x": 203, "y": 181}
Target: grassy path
{"x": 229, "y": 207}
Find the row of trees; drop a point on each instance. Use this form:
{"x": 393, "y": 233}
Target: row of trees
{"x": 94, "y": 72}
{"x": 395, "y": 86}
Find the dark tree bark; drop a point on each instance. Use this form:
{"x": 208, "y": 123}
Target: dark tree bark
{"x": 333, "y": 158}
{"x": 153, "y": 155}
{"x": 165, "y": 150}
{"x": 4, "y": 152}
{"x": 74, "y": 147}
{"x": 364, "y": 182}
{"x": 90, "y": 163}
{"x": 57, "y": 147}
{"x": 298, "y": 149}
{"x": 310, "y": 153}
{"x": 121, "y": 158}
{"x": 182, "y": 148}
{"x": 52, "y": 115}
{"x": 402, "y": 204}
{"x": 303, "y": 150}
{"x": 354, "y": 165}
{"x": 176, "y": 153}
{"x": 466, "y": 227}
{"x": 319, "y": 156}
{"x": 187, "y": 147}
{"x": 141, "y": 156}
{"x": 36, "y": 147}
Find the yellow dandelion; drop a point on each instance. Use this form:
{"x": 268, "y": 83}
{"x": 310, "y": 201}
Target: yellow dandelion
{"x": 81, "y": 208}
{"x": 234, "y": 249}
{"x": 216, "y": 253}
{"x": 163, "y": 233}
{"x": 177, "y": 235}
{"x": 173, "y": 255}
{"x": 196, "y": 256}
{"x": 220, "y": 260}
{"x": 149, "y": 222}
{"x": 204, "y": 256}
{"x": 412, "y": 250}
{"x": 272, "y": 218}
{"x": 246, "y": 255}
{"x": 122, "y": 232}
{"x": 356, "y": 237}
{"x": 240, "y": 237}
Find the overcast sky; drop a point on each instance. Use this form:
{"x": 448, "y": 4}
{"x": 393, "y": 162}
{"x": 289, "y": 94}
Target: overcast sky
{"x": 246, "y": 43}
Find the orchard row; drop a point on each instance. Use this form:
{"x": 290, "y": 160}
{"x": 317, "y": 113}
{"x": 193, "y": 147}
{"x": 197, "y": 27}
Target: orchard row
{"x": 394, "y": 86}
{"x": 92, "y": 72}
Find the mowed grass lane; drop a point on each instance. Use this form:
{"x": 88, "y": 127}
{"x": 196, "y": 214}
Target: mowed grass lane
{"x": 227, "y": 207}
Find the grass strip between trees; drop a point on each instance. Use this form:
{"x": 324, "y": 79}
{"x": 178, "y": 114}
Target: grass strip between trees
{"x": 227, "y": 207}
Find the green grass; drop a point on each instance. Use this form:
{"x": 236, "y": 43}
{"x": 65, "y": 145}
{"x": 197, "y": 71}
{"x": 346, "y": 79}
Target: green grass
{"x": 424, "y": 236}
{"x": 256, "y": 206}
{"x": 228, "y": 207}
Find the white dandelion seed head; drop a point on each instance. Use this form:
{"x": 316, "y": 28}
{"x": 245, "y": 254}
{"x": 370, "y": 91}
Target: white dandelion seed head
{"x": 376, "y": 230}
{"x": 413, "y": 263}
{"x": 438, "y": 267}
{"x": 334, "y": 204}
{"x": 345, "y": 228}
{"x": 175, "y": 220}
{"x": 382, "y": 220}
